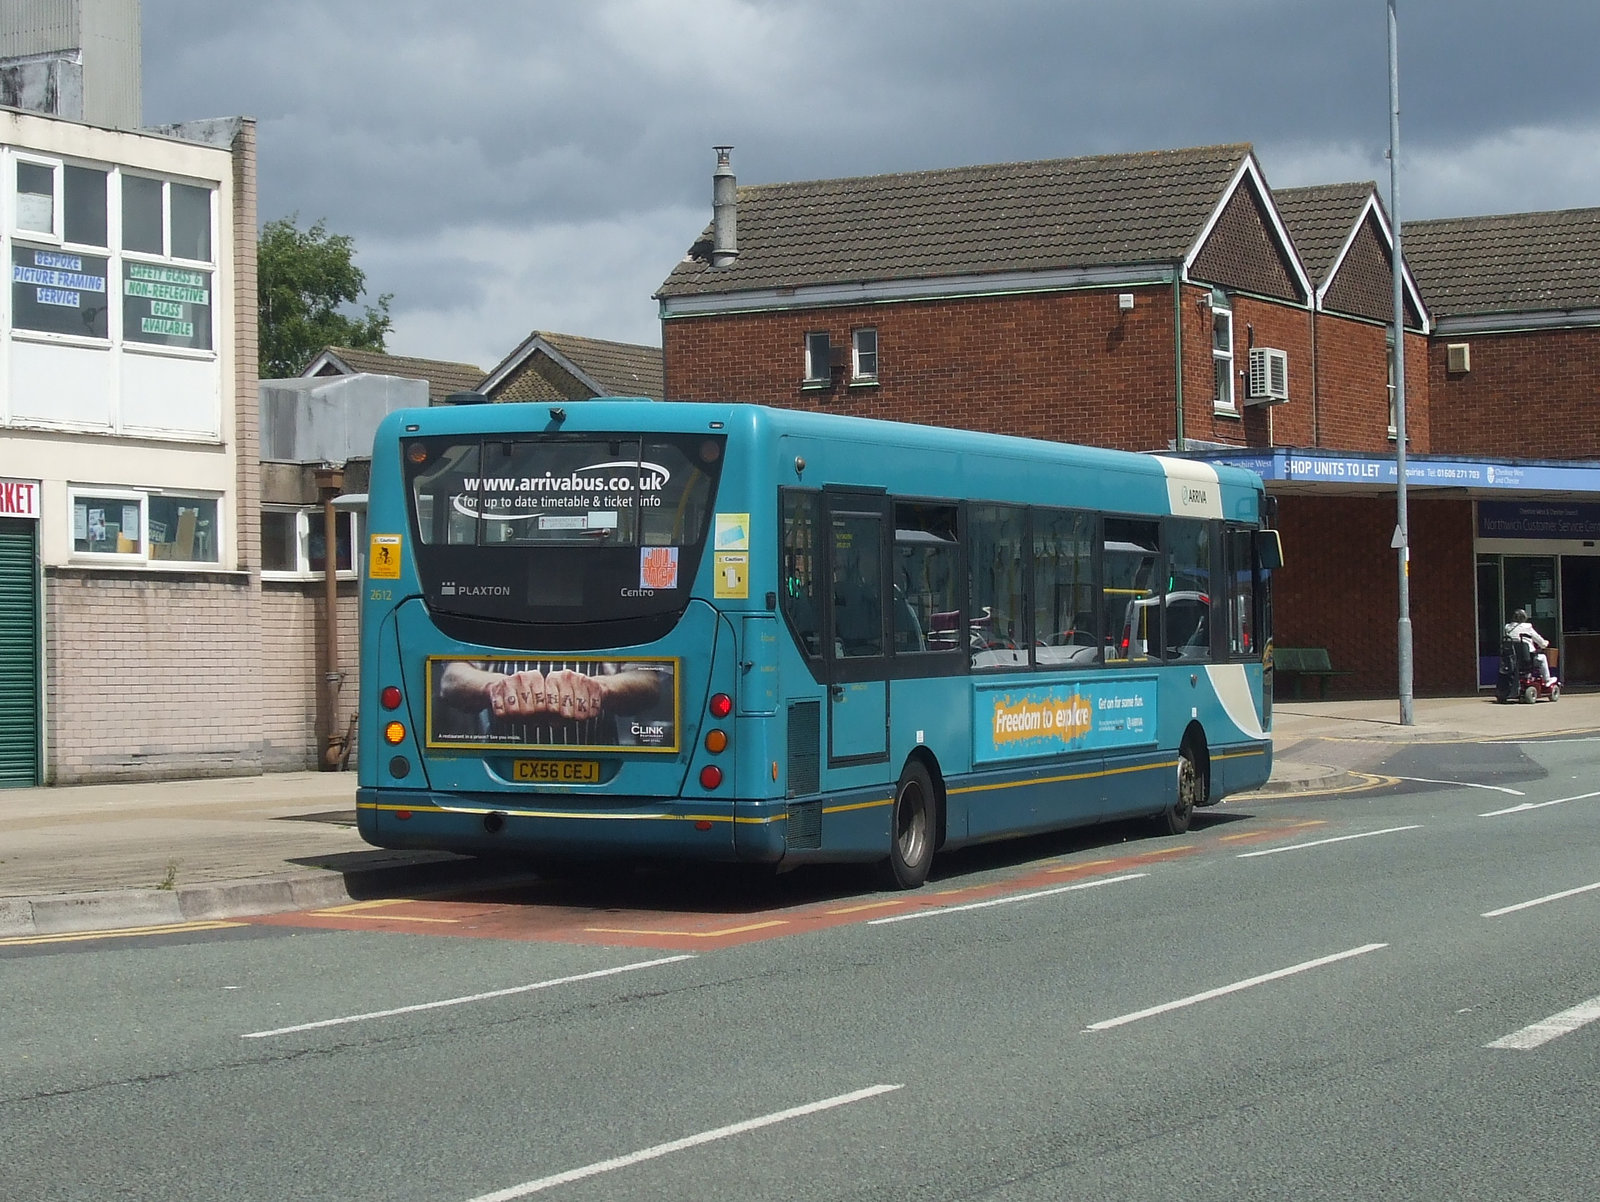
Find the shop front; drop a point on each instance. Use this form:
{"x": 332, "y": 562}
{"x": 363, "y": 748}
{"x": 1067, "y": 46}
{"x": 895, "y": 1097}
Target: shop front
{"x": 1541, "y": 556}
{"x": 1535, "y": 546}
{"x": 19, "y": 633}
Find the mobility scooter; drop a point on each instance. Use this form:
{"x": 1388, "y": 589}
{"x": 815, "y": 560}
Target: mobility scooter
{"x": 1519, "y": 674}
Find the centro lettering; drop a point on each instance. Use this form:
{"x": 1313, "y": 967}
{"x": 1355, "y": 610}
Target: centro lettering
{"x": 637, "y": 592}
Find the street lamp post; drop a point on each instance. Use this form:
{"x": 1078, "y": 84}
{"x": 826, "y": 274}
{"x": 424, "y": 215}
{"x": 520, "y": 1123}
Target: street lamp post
{"x": 1402, "y": 535}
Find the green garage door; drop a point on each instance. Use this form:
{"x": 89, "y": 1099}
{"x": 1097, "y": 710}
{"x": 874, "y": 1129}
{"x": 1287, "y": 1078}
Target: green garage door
{"x": 19, "y": 653}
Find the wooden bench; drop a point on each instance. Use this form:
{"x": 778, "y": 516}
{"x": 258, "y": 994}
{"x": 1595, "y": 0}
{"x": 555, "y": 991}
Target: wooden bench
{"x": 1301, "y": 662}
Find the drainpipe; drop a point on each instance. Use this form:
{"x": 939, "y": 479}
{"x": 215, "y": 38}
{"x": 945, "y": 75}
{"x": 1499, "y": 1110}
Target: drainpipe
{"x": 1177, "y": 347}
{"x": 330, "y": 483}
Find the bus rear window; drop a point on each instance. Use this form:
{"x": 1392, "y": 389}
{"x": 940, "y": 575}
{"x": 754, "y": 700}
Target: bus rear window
{"x": 560, "y": 528}
{"x": 587, "y": 491}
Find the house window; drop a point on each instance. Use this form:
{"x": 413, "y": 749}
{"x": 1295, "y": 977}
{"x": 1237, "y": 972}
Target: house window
{"x": 57, "y": 291}
{"x": 1393, "y": 415}
{"x": 61, "y": 202}
{"x": 864, "y": 356}
{"x": 819, "y": 358}
{"x": 139, "y": 526}
{"x": 1222, "y": 355}
{"x": 294, "y": 542}
{"x": 36, "y": 198}
{"x": 166, "y": 227}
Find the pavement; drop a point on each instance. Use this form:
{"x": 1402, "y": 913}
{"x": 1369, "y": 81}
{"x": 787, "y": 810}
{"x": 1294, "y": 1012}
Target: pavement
{"x": 171, "y": 853}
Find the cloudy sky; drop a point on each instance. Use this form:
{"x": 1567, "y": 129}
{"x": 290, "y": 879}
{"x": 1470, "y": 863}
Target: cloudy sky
{"x": 511, "y": 165}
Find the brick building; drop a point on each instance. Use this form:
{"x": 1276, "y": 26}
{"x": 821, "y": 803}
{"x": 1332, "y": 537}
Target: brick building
{"x": 1160, "y": 301}
{"x": 1513, "y": 378}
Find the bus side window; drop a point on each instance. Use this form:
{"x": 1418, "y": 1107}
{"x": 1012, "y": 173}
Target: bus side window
{"x": 926, "y": 567}
{"x": 800, "y": 525}
{"x": 1188, "y": 598}
{"x": 1242, "y": 641}
{"x": 997, "y": 634}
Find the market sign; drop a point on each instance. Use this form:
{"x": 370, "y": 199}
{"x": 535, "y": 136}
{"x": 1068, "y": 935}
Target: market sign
{"x": 19, "y": 499}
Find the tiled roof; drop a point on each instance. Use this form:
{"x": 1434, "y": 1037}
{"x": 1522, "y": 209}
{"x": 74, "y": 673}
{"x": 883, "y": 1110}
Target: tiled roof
{"x": 1320, "y": 219}
{"x": 1107, "y": 210}
{"x": 1512, "y": 263}
{"x": 443, "y": 378}
{"x": 621, "y": 368}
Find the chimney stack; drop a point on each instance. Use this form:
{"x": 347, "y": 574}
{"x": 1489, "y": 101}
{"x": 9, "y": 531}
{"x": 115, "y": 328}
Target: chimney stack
{"x": 725, "y": 212}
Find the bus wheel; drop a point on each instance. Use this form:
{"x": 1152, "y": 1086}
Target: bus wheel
{"x": 1174, "y": 820}
{"x": 912, "y": 829}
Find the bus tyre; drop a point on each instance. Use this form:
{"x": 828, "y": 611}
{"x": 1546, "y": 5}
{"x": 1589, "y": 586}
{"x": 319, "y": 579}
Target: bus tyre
{"x": 912, "y": 829}
{"x": 1175, "y": 819}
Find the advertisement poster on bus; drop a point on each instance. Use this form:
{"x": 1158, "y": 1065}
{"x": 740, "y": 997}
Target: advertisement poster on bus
{"x": 564, "y": 703}
{"x": 1012, "y": 722}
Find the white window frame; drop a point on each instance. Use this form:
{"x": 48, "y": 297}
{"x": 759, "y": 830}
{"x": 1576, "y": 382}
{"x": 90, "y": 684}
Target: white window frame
{"x": 166, "y": 258}
{"x": 857, "y": 374}
{"x": 305, "y": 516}
{"x": 142, "y": 557}
{"x": 57, "y": 219}
{"x": 818, "y": 375}
{"x": 1222, "y": 361}
{"x": 1394, "y": 431}
{"x": 166, "y": 254}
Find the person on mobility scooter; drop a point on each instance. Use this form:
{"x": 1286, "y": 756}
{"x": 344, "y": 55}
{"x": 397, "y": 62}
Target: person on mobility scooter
{"x": 1524, "y": 663}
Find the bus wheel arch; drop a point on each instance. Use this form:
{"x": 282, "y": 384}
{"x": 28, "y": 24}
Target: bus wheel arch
{"x": 916, "y": 824}
{"x": 1192, "y": 786}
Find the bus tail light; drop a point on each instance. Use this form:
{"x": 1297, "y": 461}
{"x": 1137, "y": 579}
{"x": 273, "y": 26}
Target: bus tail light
{"x": 721, "y": 705}
{"x": 710, "y": 777}
{"x": 390, "y": 698}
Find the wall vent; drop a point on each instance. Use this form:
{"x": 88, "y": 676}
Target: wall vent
{"x": 1458, "y": 357}
{"x": 1269, "y": 376}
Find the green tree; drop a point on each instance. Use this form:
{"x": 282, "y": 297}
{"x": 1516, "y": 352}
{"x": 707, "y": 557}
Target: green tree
{"x": 307, "y": 278}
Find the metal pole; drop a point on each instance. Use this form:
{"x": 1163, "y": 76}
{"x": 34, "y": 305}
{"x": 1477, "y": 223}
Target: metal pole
{"x": 1402, "y": 533}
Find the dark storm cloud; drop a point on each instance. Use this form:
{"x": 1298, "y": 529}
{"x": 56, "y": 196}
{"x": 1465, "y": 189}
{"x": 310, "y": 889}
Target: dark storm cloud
{"x": 511, "y": 164}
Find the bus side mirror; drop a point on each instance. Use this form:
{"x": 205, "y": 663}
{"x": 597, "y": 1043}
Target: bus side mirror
{"x": 1269, "y": 549}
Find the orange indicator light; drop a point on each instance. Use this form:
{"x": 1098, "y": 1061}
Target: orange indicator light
{"x": 394, "y": 732}
{"x": 716, "y": 741}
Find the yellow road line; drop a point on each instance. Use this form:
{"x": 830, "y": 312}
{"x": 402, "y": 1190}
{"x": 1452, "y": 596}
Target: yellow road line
{"x": 173, "y": 928}
{"x": 869, "y": 906}
{"x": 755, "y": 926}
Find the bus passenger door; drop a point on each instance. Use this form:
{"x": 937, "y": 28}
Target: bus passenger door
{"x": 855, "y": 635}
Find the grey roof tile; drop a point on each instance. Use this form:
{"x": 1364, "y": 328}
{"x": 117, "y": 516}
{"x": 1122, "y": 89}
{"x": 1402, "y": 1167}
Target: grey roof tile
{"x": 621, "y": 368}
{"x": 1320, "y": 219}
{"x": 1509, "y": 263}
{"x": 443, "y": 377}
{"x": 1106, "y": 210}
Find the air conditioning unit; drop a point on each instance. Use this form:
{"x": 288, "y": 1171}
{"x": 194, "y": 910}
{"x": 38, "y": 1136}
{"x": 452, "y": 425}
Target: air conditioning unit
{"x": 1269, "y": 376}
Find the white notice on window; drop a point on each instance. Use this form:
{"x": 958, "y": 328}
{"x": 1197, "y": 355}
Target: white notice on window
{"x": 35, "y": 211}
{"x": 130, "y": 521}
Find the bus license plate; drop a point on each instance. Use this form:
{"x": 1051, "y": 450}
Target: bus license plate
{"x": 557, "y": 772}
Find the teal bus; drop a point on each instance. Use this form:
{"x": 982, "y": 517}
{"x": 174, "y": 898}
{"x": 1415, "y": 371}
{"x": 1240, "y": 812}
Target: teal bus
{"x": 724, "y": 632}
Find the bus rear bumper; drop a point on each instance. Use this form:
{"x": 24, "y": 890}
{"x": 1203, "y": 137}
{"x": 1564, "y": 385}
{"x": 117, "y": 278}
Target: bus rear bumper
{"x": 485, "y": 824}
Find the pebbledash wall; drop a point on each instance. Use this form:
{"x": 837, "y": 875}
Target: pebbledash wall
{"x": 128, "y": 392}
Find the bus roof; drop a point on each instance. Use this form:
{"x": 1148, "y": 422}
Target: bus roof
{"x": 644, "y": 415}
